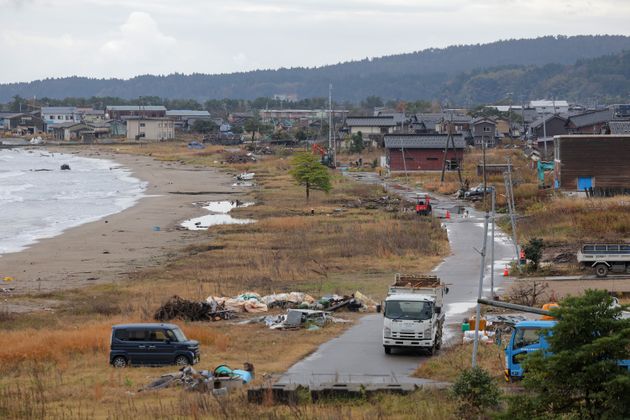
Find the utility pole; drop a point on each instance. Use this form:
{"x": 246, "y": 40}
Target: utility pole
{"x": 331, "y": 140}
{"x": 485, "y": 180}
{"x": 545, "y": 132}
{"x": 494, "y": 218}
{"x": 509, "y": 197}
{"x": 480, "y": 291}
{"x": 448, "y": 139}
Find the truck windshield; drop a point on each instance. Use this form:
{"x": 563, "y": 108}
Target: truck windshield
{"x": 526, "y": 337}
{"x": 418, "y": 311}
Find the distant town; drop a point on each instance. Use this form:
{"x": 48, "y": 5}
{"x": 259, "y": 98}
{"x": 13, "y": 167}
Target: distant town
{"x": 416, "y": 136}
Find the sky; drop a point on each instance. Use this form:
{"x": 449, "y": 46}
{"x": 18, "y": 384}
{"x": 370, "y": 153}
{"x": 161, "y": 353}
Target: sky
{"x": 125, "y": 38}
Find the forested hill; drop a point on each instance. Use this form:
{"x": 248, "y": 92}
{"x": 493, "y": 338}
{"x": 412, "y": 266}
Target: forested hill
{"x": 465, "y": 74}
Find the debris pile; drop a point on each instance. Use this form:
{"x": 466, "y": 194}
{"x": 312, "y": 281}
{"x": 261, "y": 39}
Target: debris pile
{"x": 253, "y": 302}
{"x": 218, "y": 381}
{"x": 187, "y": 310}
{"x": 240, "y": 158}
{"x": 295, "y": 319}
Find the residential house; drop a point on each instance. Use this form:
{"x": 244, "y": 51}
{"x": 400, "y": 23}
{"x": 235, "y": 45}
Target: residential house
{"x": 597, "y": 162}
{"x": 484, "y": 130}
{"x": 422, "y": 152}
{"x": 545, "y": 106}
{"x": 121, "y": 112}
{"x": 72, "y": 131}
{"x": 458, "y": 123}
{"x": 185, "y": 118}
{"x": 426, "y": 122}
{"x": 150, "y": 129}
{"x": 89, "y": 115}
{"x": 298, "y": 116}
{"x": 59, "y": 114}
{"x": 239, "y": 118}
{"x": 371, "y": 125}
{"x": 5, "y": 120}
{"x": 590, "y": 122}
{"x": 503, "y": 128}
{"x": 24, "y": 123}
{"x": 549, "y": 126}
{"x": 621, "y": 112}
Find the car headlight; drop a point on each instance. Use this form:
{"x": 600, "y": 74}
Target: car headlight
{"x": 427, "y": 333}
{"x": 388, "y": 331}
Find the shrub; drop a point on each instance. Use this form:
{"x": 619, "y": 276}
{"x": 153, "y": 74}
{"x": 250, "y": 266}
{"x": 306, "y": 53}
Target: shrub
{"x": 476, "y": 391}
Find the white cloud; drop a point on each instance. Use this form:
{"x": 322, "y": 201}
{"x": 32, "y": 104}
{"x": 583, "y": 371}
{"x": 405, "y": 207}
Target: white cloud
{"x": 139, "y": 40}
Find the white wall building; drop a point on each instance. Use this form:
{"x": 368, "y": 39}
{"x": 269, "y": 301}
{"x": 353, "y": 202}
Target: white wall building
{"x": 544, "y": 106}
{"x": 60, "y": 114}
{"x": 150, "y": 129}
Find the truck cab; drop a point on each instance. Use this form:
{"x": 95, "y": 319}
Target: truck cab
{"x": 527, "y": 337}
{"x": 413, "y": 316}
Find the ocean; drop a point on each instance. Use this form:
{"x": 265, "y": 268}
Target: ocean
{"x": 39, "y": 200}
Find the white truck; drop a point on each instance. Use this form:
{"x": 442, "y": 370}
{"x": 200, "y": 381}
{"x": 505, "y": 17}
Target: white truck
{"x": 604, "y": 258}
{"x": 413, "y": 315}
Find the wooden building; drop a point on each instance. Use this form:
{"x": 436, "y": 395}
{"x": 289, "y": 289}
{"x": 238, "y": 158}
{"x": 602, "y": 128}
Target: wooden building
{"x": 597, "y": 162}
{"x": 590, "y": 122}
{"x": 422, "y": 152}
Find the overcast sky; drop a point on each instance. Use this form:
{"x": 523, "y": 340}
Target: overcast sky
{"x": 124, "y": 38}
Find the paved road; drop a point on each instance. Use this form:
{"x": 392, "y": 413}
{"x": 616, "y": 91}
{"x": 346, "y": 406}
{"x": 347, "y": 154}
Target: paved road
{"x": 357, "y": 355}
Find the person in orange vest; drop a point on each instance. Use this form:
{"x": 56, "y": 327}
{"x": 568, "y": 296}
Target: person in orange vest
{"x": 521, "y": 256}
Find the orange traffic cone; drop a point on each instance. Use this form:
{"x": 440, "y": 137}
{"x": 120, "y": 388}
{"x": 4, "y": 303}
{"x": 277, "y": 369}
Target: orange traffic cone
{"x": 448, "y": 215}
{"x": 506, "y": 272}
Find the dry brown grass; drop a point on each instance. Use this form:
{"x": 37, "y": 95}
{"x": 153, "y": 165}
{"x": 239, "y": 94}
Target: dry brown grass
{"x": 56, "y": 366}
{"x": 578, "y": 220}
{"x": 449, "y": 364}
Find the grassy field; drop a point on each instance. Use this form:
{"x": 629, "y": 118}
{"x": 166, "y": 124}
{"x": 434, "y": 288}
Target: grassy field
{"x": 55, "y": 364}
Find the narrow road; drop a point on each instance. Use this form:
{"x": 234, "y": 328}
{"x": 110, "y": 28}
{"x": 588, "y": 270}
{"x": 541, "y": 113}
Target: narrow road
{"x": 357, "y": 355}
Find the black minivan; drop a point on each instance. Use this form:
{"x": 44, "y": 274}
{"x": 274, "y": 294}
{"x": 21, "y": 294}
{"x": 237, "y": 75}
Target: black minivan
{"x": 151, "y": 344}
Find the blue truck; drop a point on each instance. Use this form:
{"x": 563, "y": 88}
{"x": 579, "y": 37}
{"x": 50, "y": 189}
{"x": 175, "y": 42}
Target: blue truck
{"x": 528, "y": 337}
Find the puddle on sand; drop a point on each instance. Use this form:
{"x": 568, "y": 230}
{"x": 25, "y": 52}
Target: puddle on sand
{"x": 219, "y": 216}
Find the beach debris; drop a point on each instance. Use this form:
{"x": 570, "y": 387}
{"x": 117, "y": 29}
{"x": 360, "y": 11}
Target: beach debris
{"x": 245, "y": 176}
{"x": 221, "y": 378}
{"x": 253, "y": 302}
{"x": 196, "y": 145}
{"x": 187, "y": 310}
{"x": 8, "y": 279}
{"x": 240, "y": 158}
{"x": 65, "y": 167}
{"x": 295, "y": 319}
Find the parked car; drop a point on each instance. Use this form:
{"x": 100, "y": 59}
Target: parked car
{"x": 477, "y": 191}
{"x": 151, "y": 344}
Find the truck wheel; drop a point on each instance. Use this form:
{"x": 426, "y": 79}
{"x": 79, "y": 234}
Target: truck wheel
{"x": 388, "y": 349}
{"x": 601, "y": 270}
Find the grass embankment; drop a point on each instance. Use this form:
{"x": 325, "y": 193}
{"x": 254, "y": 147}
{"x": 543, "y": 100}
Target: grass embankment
{"x": 55, "y": 364}
{"x": 450, "y": 362}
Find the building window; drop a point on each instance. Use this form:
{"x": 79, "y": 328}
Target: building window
{"x": 432, "y": 158}
{"x": 486, "y": 129}
{"x": 142, "y": 124}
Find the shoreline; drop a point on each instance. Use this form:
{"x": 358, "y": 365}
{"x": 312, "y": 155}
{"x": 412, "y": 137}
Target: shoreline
{"x": 115, "y": 246}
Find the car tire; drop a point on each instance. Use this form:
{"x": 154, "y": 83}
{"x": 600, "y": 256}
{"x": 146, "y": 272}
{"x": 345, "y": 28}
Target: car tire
{"x": 182, "y": 361}
{"x": 388, "y": 349}
{"x": 119, "y": 362}
{"x": 601, "y": 270}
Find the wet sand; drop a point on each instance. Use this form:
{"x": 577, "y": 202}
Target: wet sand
{"x": 112, "y": 248}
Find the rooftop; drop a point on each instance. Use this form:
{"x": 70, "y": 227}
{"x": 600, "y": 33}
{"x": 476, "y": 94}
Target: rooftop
{"x": 591, "y": 117}
{"x": 619, "y": 127}
{"x": 371, "y": 121}
{"x": 136, "y": 108}
{"x": 187, "y": 113}
{"x": 59, "y": 109}
{"x": 422, "y": 141}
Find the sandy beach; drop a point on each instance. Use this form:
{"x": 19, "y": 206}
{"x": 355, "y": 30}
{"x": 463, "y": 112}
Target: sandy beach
{"x": 112, "y": 248}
